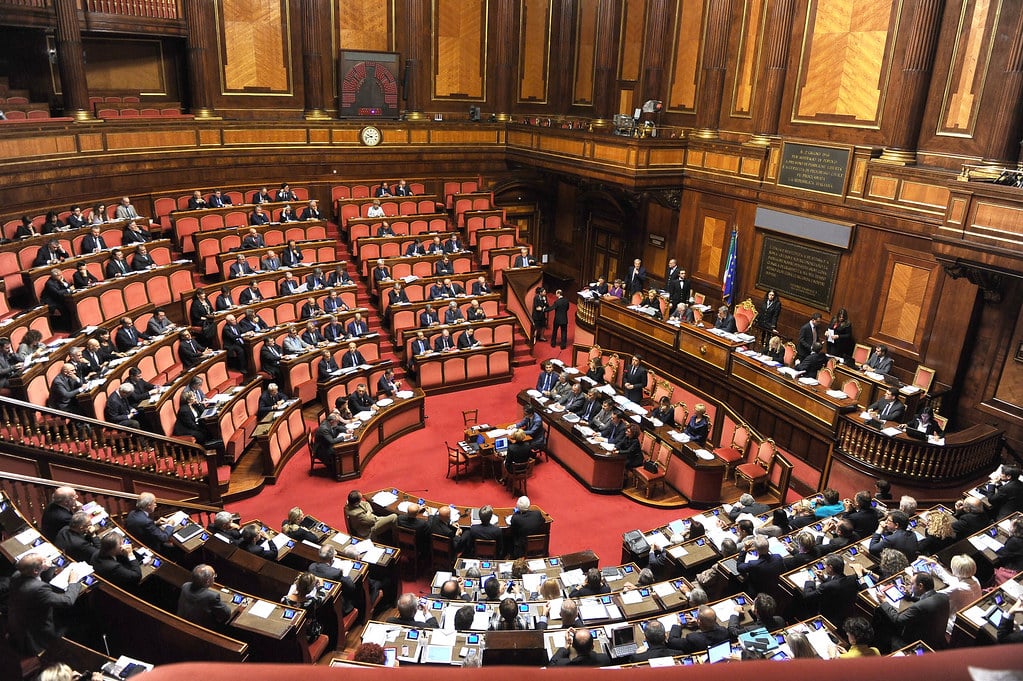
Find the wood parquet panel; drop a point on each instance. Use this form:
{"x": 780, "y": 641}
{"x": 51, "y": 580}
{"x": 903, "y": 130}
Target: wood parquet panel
{"x": 255, "y": 37}
{"x": 685, "y": 71}
{"x": 585, "y": 54}
{"x": 749, "y": 57}
{"x": 633, "y": 27}
{"x": 845, "y": 60}
{"x": 364, "y": 25}
{"x": 460, "y": 45}
{"x": 966, "y": 78}
{"x": 904, "y": 301}
{"x": 712, "y": 245}
{"x": 534, "y": 50}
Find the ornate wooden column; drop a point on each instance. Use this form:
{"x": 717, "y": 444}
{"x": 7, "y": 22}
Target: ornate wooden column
{"x": 504, "y": 57}
{"x": 71, "y": 61}
{"x": 715, "y": 59}
{"x": 767, "y": 101}
{"x": 1004, "y": 144}
{"x": 657, "y": 51}
{"x": 201, "y": 69}
{"x": 605, "y": 66}
{"x": 905, "y": 114}
{"x": 315, "y": 19}
{"x": 417, "y": 25}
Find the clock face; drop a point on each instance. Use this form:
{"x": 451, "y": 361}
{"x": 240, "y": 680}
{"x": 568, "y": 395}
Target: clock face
{"x": 371, "y": 136}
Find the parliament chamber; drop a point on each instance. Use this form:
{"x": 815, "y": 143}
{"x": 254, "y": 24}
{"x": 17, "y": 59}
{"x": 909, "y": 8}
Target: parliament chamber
{"x": 196, "y": 206}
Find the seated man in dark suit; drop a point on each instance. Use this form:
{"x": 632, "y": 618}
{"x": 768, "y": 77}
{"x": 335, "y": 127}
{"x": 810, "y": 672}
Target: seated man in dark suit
{"x": 58, "y": 513}
{"x": 117, "y": 266}
{"x": 894, "y": 533}
{"x": 862, "y": 514}
{"x": 467, "y": 340}
{"x": 428, "y": 317}
{"x": 270, "y": 358}
{"x": 1005, "y": 495}
{"x": 525, "y": 522}
{"x": 833, "y": 592}
{"x": 116, "y": 562}
{"x": 762, "y": 614}
{"x": 879, "y": 362}
{"x": 925, "y": 620}
{"x": 199, "y": 603}
{"x": 747, "y": 504}
{"x": 141, "y": 526}
{"x": 233, "y": 343}
{"x": 484, "y": 530}
{"x": 351, "y": 595}
{"x": 360, "y": 400}
{"x": 578, "y": 651}
{"x": 339, "y": 277}
{"x": 196, "y": 201}
{"x": 440, "y": 523}
{"x": 253, "y": 240}
{"x": 412, "y": 519}
{"x": 813, "y": 362}
{"x": 763, "y": 571}
{"x": 252, "y": 541}
{"x": 710, "y": 633}
{"x": 76, "y": 540}
{"x": 271, "y": 399}
{"x": 239, "y": 268}
{"x": 259, "y": 217}
{"x": 971, "y": 517}
{"x": 31, "y": 603}
{"x": 888, "y": 408}
{"x": 656, "y": 644}
{"x": 408, "y": 605}
{"x": 224, "y": 525}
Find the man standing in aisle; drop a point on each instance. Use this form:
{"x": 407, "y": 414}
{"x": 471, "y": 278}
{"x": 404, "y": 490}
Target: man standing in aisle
{"x": 560, "y": 307}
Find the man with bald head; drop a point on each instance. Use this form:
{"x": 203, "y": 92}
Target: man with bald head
{"x": 63, "y": 504}
{"x": 579, "y": 651}
{"x": 440, "y": 523}
{"x": 412, "y": 519}
{"x": 31, "y": 604}
{"x": 569, "y": 615}
{"x": 710, "y": 633}
{"x": 408, "y": 604}
{"x": 76, "y": 540}
{"x": 199, "y": 603}
{"x": 64, "y": 388}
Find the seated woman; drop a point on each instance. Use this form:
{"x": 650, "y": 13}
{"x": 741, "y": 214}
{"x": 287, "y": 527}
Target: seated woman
{"x": 652, "y": 302}
{"x": 187, "y": 422}
{"x": 925, "y": 423}
{"x": 617, "y": 289}
{"x": 306, "y": 593}
{"x": 775, "y": 350}
{"x": 664, "y": 412}
{"x": 293, "y": 527}
{"x": 698, "y": 427}
{"x": 938, "y": 534}
{"x": 630, "y": 448}
{"x": 596, "y": 371}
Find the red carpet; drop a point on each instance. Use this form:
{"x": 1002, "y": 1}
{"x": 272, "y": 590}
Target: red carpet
{"x": 419, "y": 462}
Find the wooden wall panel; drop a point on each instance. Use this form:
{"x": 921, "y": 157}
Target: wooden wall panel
{"x": 1010, "y": 382}
{"x": 685, "y": 62}
{"x": 748, "y": 59}
{"x": 534, "y": 50}
{"x": 845, "y": 61}
{"x": 900, "y": 316}
{"x": 125, "y": 65}
{"x": 714, "y": 233}
{"x": 364, "y": 25}
{"x": 460, "y": 49}
{"x": 631, "y": 46}
{"x": 585, "y": 54}
{"x": 964, "y": 86}
{"x": 255, "y": 46}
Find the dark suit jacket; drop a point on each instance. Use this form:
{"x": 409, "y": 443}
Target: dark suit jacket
{"x": 522, "y": 525}
{"x": 121, "y": 571}
{"x": 202, "y": 606}
{"x": 323, "y": 369}
{"x": 359, "y": 402}
{"x": 141, "y": 527}
{"x": 118, "y": 410}
{"x": 76, "y": 546}
{"x": 419, "y": 525}
{"x": 91, "y": 243}
{"x": 652, "y": 652}
{"x": 562, "y": 659}
{"x": 832, "y": 597}
{"x": 762, "y": 572}
{"x": 486, "y": 532}
{"x": 895, "y": 413}
{"x": 901, "y": 540}
{"x": 239, "y": 270}
{"x": 966, "y": 524}
{"x": 431, "y": 623}
{"x": 428, "y": 318}
{"x": 190, "y": 353}
{"x": 465, "y": 341}
{"x": 55, "y": 518}
{"x": 1008, "y": 499}
{"x": 352, "y": 358}
{"x": 124, "y": 339}
{"x": 560, "y": 307}
{"x": 291, "y": 258}
{"x": 141, "y": 262}
{"x": 865, "y": 521}
{"x": 116, "y": 268}
{"x": 30, "y": 620}
{"x": 812, "y": 363}
{"x": 924, "y": 621}
{"x": 637, "y": 377}
{"x": 480, "y": 289}
{"x": 62, "y": 391}
{"x": 805, "y": 343}
{"x": 697, "y": 640}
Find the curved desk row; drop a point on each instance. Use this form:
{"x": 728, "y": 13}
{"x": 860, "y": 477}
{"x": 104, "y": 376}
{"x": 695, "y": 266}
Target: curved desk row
{"x": 368, "y": 248}
{"x": 400, "y": 417}
{"x": 455, "y": 369}
{"x": 114, "y": 297}
{"x": 318, "y": 253}
{"x": 410, "y": 223}
{"x": 419, "y": 289}
{"x": 209, "y": 245}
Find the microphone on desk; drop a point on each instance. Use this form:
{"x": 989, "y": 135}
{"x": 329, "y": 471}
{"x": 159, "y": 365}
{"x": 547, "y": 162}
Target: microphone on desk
{"x": 425, "y": 489}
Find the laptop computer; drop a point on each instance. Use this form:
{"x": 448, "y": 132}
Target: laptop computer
{"x": 501, "y": 444}
{"x": 875, "y": 423}
{"x": 623, "y": 641}
{"x": 916, "y": 434}
{"x": 308, "y": 522}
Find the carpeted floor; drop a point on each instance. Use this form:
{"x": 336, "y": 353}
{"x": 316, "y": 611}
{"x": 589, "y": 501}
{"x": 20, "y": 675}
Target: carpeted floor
{"x": 417, "y": 463}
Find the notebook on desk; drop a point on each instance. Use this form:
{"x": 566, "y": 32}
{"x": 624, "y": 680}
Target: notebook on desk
{"x": 186, "y": 533}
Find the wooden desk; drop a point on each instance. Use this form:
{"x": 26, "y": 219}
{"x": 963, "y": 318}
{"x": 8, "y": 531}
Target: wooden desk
{"x": 114, "y": 297}
{"x": 399, "y": 418}
{"x": 406, "y": 316}
{"x": 455, "y": 369}
{"x": 320, "y": 253}
{"x": 789, "y": 393}
{"x": 412, "y": 224}
{"x": 368, "y": 248}
{"x": 703, "y": 345}
{"x": 597, "y": 469}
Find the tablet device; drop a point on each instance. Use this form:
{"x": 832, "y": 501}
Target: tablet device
{"x": 472, "y": 639}
{"x": 237, "y": 599}
{"x": 719, "y": 652}
{"x": 289, "y": 614}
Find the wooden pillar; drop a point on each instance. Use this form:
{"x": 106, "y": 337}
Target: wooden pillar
{"x": 1004, "y": 144}
{"x": 715, "y": 59}
{"x": 504, "y": 71}
{"x": 767, "y": 102}
{"x": 605, "y": 67}
{"x": 201, "y": 69}
{"x": 417, "y": 30}
{"x": 906, "y": 113}
{"x": 315, "y": 19}
{"x": 657, "y": 50}
{"x": 71, "y": 61}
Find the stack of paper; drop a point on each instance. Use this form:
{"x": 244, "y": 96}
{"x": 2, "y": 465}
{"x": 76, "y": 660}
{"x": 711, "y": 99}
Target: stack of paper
{"x": 384, "y": 498}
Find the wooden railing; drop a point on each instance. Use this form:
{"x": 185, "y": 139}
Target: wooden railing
{"x": 158, "y": 9}
{"x": 31, "y": 495}
{"x": 965, "y": 454}
{"x": 47, "y": 443}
